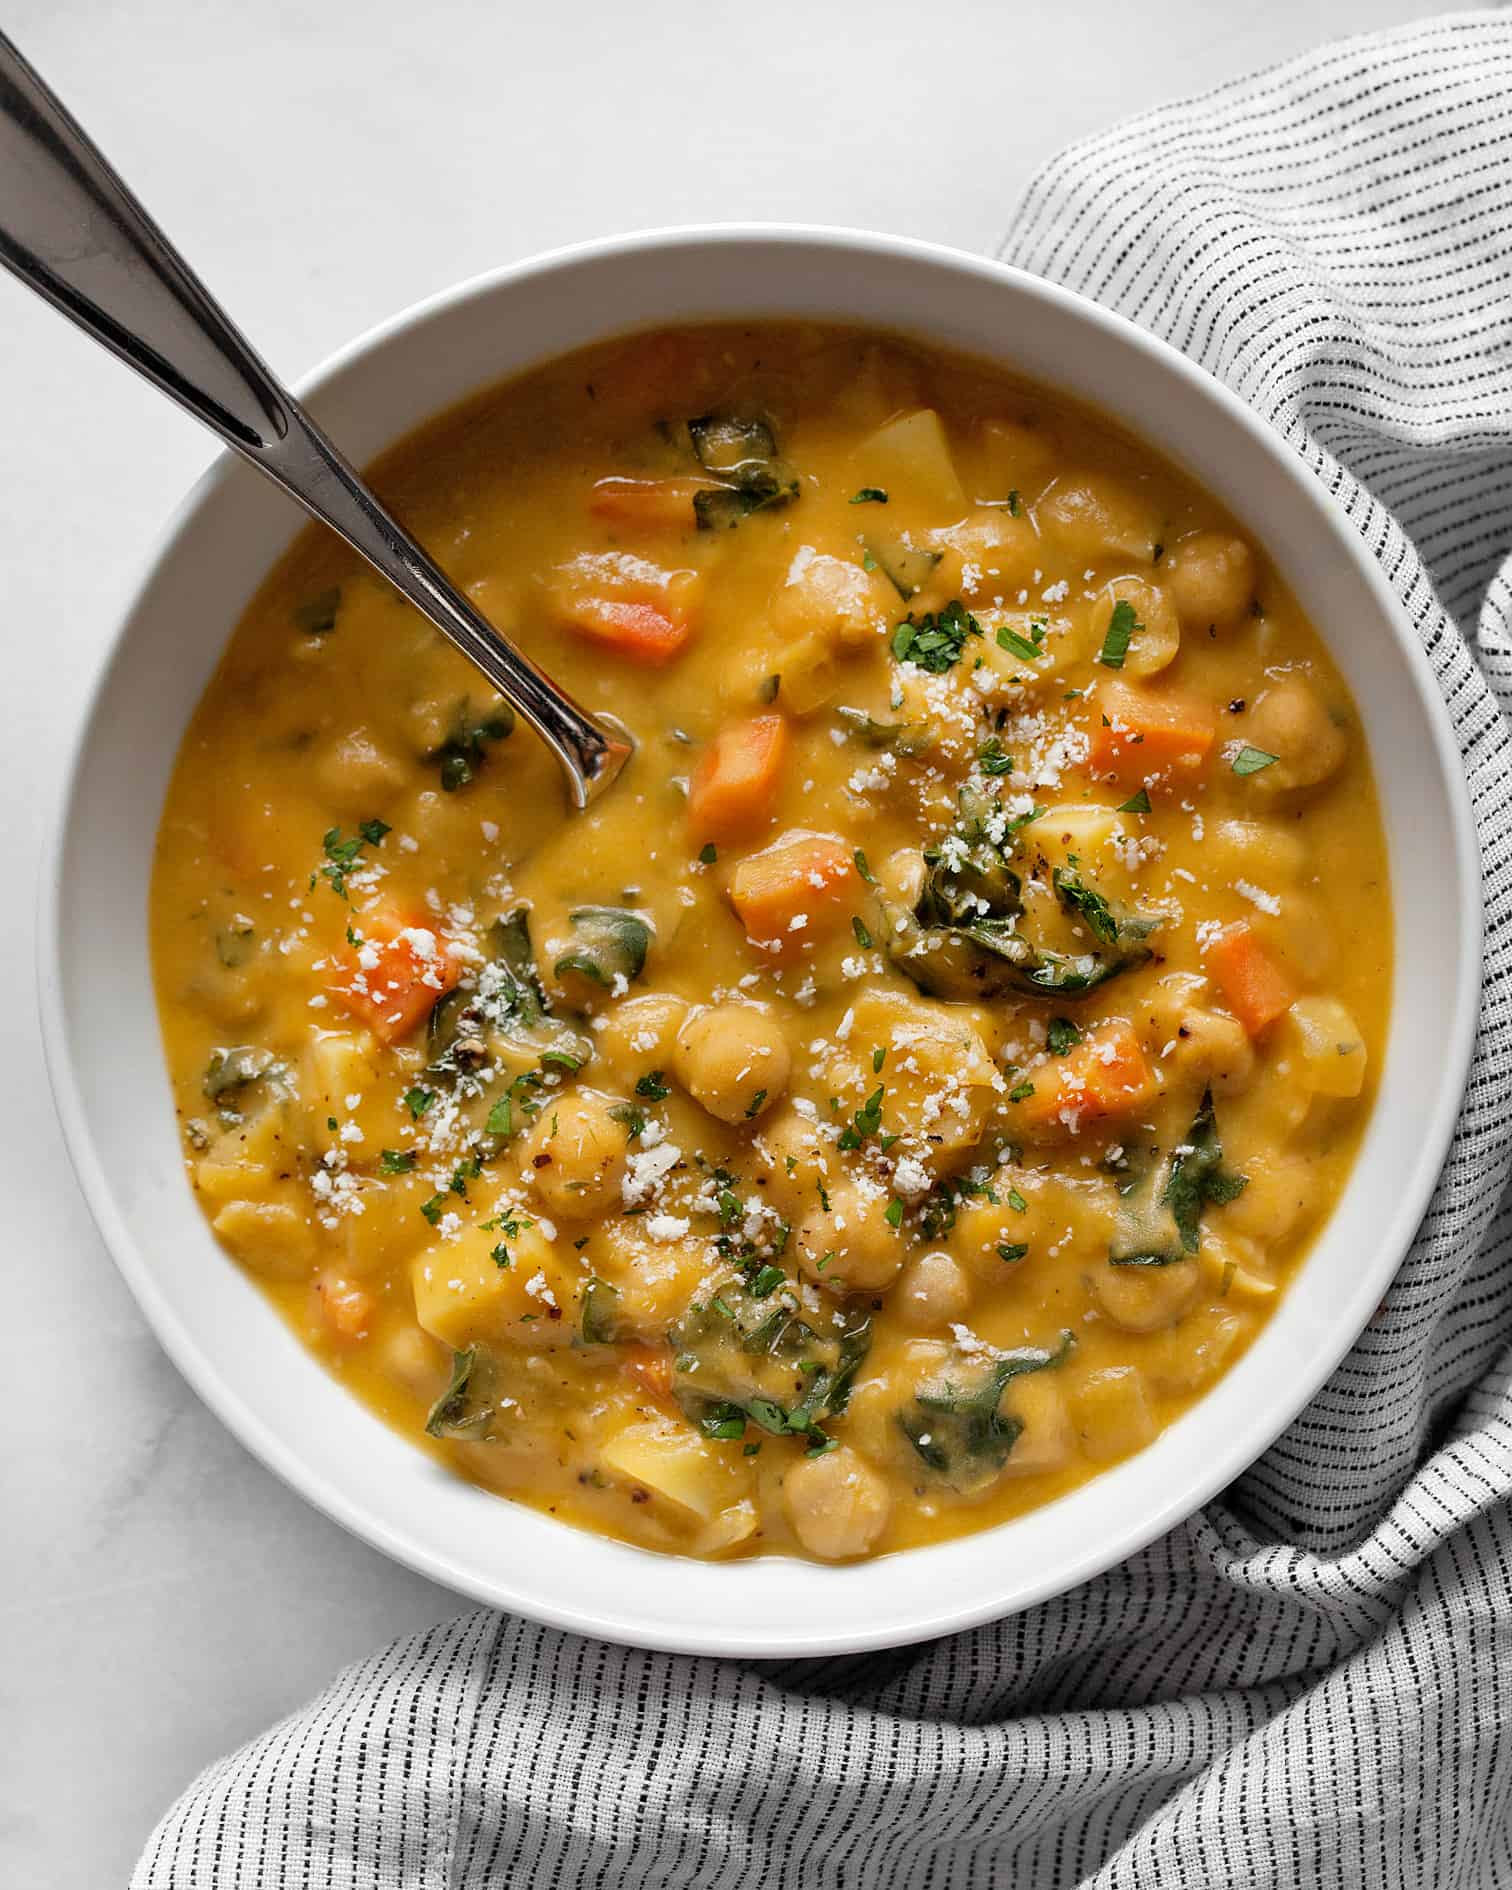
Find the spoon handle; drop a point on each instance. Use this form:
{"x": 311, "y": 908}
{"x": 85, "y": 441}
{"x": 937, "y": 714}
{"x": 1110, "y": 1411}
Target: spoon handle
{"x": 71, "y": 230}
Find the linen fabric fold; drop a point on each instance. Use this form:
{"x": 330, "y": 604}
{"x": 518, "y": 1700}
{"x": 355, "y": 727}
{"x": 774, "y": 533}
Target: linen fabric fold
{"x": 1309, "y": 1682}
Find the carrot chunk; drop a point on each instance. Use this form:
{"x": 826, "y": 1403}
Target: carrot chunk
{"x": 651, "y": 1370}
{"x": 344, "y": 1306}
{"x": 1254, "y": 987}
{"x": 1138, "y": 736}
{"x": 393, "y": 978}
{"x": 734, "y": 786}
{"x": 643, "y": 632}
{"x": 1106, "y": 1075}
{"x": 649, "y": 504}
{"x": 788, "y": 892}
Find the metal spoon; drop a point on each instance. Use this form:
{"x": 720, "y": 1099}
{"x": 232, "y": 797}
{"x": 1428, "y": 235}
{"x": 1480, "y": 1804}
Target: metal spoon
{"x": 72, "y": 231}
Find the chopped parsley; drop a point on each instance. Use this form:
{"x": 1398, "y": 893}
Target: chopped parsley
{"x": 707, "y": 855}
{"x": 1121, "y": 627}
{"x": 753, "y": 1108}
{"x": 1012, "y": 1251}
{"x": 934, "y": 642}
{"x": 396, "y": 1161}
{"x": 1137, "y": 803}
{"x": 870, "y": 495}
{"x": 863, "y": 937}
{"x": 1061, "y": 1035}
{"x": 1021, "y": 646}
{"x": 417, "y": 1101}
{"x": 1021, "y": 1092}
{"x": 434, "y": 1208}
{"x": 343, "y": 856}
{"x": 634, "y": 1120}
{"x": 1252, "y": 760}
{"x": 1017, "y": 1202}
{"x": 1015, "y": 506}
{"x": 500, "y": 1255}
{"x": 863, "y": 869}
{"x": 991, "y": 758}
{"x": 652, "y": 1087}
{"x": 894, "y": 1214}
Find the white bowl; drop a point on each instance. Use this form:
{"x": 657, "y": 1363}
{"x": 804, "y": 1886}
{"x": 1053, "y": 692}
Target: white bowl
{"x": 101, "y": 1025}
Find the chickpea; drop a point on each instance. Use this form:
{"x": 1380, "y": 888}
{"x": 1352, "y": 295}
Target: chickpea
{"x": 852, "y": 1248}
{"x": 733, "y": 1060}
{"x": 575, "y": 1155}
{"x": 837, "y": 1504}
{"x": 1215, "y": 1048}
{"x": 1143, "y": 1299}
{"x": 932, "y": 1292}
{"x": 639, "y": 1033}
{"x": 1291, "y": 723}
{"x": 794, "y": 1156}
{"x": 1157, "y": 640}
{"x": 1212, "y": 578}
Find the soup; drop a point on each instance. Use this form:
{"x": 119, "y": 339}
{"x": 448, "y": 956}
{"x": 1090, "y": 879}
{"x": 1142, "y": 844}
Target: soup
{"x": 914, "y": 1082}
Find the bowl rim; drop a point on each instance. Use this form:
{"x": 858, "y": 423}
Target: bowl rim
{"x": 501, "y": 1591}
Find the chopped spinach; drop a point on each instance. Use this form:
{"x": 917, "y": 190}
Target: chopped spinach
{"x": 955, "y": 1424}
{"x": 610, "y": 942}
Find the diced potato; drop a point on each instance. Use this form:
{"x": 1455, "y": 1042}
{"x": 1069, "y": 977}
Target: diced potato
{"x": 464, "y": 1295}
{"x": 1215, "y": 1049}
{"x": 1097, "y": 517}
{"x": 910, "y": 459}
{"x": 655, "y": 1278}
{"x": 244, "y": 1158}
{"x": 809, "y": 672}
{"x": 1112, "y": 1414}
{"x": 1046, "y": 1442}
{"x": 272, "y": 1238}
{"x": 342, "y": 1083}
{"x": 671, "y": 1461}
{"x": 938, "y": 1076}
{"x": 1094, "y": 833}
{"x": 1329, "y": 1048}
{"x": 1235, "y": 1268}
{"x": 1061, "y": 642}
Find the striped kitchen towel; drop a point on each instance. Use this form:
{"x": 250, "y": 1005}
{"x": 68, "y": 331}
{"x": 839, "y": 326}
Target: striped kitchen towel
{"x": 1310, "y": 1683}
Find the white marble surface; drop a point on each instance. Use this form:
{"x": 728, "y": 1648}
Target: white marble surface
{"x": 162, "y": 1597}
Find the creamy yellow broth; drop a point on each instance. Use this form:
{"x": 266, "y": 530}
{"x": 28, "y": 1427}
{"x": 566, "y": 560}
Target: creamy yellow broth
{"x": 918, "y": 1079}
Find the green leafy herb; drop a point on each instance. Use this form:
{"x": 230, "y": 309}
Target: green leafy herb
{"x": 434, "y": 1208}
{"x": 342, "y": 856}
{"x": 991, "y": 758}
{"x": 754, "y": 1106}
{"x": 1137, "y": 803}
{"x": 234, "y": 1068}
{"x": 633, "y": 1119}
{"x": 611, "y": 942}
{"x": 463, "y": 752}
{"x": 600, "y": 1312}
{"x": 1121, "y": 627}
{"x": 1017, "y": 1202}
{"x": 1086, "y": 902}
{"x": 1015, "y": 505}
{"x": 1160, "y": 1214}
{"x": 934, "y": 642}
{"x": 894, "y": 1214}
{"x": 863, "y": 937}
{"x": 1010, "y": 1252}
{"x": 879, "y": 1057}
{"x": 1021, "y": 1092}
{"x": 708, "y": 854}
{"x": 955, "y": 1422}
{"x": 417, "y": 1101}
{"x": 863, "y": 869}
{"x": 463, "y": 1410}
{"x": 317, "y": 616}
{"x": 870, "y": 495}
{"x": 396, "y": 1161}
{"x": 501, "y": 1117}
{"x": 765, "y": 1281}
{"x": 1252, "y": 760}
{"x": 652, "y": 1087}
{"x": 1018, "y": 645}
{"x": 1061, "y": 1035}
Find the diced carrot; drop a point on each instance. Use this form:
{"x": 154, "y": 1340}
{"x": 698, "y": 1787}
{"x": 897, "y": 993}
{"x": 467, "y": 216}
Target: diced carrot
{"x": 734, "y": 786}
{"x": 345, "y": 1307}
{"x": 651, "y": 504}
{"x": 1138, "y": 736}
{"x": 789, "y": 891}
{"x": 653, "y": 1370}
{"x": 393, "y": 978}
{"x": 638, "y": 630}
{"x": 1106, "y": 1075}
{"x": 1254, "y": 987}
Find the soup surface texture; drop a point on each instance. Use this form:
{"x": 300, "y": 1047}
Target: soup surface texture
{"x": 914, "y": 1082}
